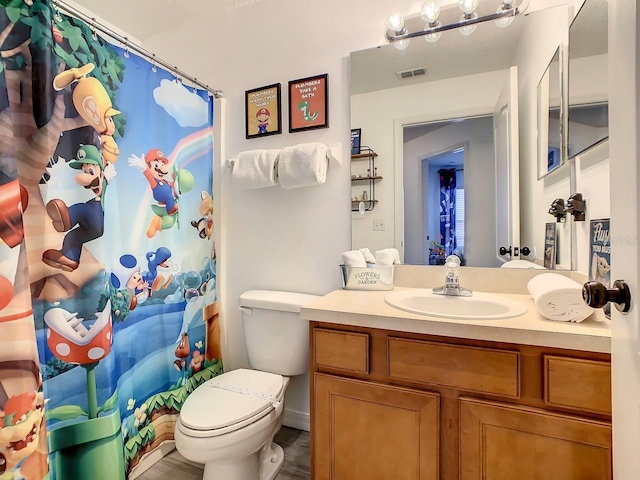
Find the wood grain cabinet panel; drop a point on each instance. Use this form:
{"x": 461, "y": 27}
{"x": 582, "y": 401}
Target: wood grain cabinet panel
{"x": 579, "y": 384}
{"x": 365, "y": 430}
{"x": 341, "y": 350}
{"x": 475, "y": 369}
{"x": 504, "y": 442}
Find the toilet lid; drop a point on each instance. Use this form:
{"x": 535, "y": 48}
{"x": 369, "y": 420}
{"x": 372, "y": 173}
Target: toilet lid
{"x": 231, "y": 398}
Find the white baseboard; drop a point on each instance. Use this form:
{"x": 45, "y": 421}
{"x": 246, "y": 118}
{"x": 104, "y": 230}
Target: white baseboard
{"x": 298, "y": 420}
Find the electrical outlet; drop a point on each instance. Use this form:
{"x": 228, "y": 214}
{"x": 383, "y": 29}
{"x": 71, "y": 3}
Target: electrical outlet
{"x": 378, "y": 225}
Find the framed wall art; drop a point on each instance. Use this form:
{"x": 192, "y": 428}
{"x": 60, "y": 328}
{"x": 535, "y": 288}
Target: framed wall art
{"x": 262, "y": 111}
{"x": 309, "y": 103}
{"x": 356, "y": 134}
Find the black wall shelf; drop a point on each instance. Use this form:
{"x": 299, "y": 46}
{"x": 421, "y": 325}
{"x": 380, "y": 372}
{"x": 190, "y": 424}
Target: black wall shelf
{"x": 366, "y": 153}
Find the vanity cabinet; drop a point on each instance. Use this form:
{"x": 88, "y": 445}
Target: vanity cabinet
{"x": 405, "y": 406}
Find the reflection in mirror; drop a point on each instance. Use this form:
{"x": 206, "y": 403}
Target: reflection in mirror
{"x": 442, "y": 162}
{"x": 406, "y": 104}
{"x": 588, "y": 82}
{"x": 550, "y": 133}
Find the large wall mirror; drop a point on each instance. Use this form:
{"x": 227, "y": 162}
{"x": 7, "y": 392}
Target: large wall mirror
{"x": 445, "y": 121}
{"x": 588, "y": 78}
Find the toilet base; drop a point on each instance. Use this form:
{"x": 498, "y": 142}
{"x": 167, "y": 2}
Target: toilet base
{"x": 248, "y": 468}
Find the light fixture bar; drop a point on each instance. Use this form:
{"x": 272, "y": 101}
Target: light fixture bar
{"x": 392, "y": 37}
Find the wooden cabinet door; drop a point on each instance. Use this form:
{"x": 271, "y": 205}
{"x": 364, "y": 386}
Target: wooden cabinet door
{"x": 503, "y": 442}
{"x": 371, "y": 431}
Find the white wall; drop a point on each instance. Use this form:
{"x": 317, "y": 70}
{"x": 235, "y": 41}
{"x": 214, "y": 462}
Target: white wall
{"x": 479, "y": 184}
{"x": 377, "y": 114}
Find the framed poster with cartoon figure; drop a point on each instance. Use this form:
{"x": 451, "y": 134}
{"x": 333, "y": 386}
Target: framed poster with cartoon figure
{"x": 600, "y": 254}
{"x": 262, "y": 111}
{"x": 309, "y": 103}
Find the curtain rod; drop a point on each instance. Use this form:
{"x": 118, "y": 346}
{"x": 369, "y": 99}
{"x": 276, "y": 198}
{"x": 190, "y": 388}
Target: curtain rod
{"x": 93, "y": 23}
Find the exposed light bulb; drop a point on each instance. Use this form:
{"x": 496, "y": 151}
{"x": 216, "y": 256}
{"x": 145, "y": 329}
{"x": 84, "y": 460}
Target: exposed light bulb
{"x": 504, "y": 22}
{"x": 402, "y": 44}
{"x": 396, "y": 22}
{"x": 468, "y": 6}
{"x": 432, "y": 37}
{"x": 468, "y": 29}
{"x": 430, "y": 11}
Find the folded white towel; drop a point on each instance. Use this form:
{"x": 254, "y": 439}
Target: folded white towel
{"x": 368, "y": 256}
{"x": 354, "y": 258}
{"x": 559, "y": 298}
{"x": 387, "y": 256}
{"x": 255, "y": 169}
{"x": 302, "y": 165}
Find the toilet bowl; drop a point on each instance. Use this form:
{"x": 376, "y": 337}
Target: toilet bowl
{"x": 228, "y": 423}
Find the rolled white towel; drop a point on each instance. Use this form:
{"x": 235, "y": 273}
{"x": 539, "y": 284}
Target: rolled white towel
{"x": 559, "y": 298}
{"x": 387, "y": 256}
{"x": 255, "y": 169}
{"x": 302, "y": 165}
{"x": 354, "y": 258}
{"x": 368, "y": 256}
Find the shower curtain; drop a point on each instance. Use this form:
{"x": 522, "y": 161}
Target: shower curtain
{"x": 448, "y": 210}
{"x": 108, "y": 307}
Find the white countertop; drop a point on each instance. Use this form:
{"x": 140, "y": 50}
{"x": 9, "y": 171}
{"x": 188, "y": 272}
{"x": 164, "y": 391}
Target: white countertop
{"x": 368, "y": 309}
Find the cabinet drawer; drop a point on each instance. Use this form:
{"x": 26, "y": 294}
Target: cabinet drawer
{"x": 474, "y": 369}
{"x": 578, "y": 384}
{"x": 341, "y": 350}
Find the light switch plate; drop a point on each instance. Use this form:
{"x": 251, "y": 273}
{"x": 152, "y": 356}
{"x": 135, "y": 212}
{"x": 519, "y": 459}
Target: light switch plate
{"x": 378, "y": 225}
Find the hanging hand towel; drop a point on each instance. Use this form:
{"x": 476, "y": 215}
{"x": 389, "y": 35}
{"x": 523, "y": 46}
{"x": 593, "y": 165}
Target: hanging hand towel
{"x": 302, "y": 165}
{"x": 387, "y": 256}
{"x": 255, "y": 169}
{"x": 368, "y": 256}
{"x": 559, "y": 298}
{"x": 354, "y": 258}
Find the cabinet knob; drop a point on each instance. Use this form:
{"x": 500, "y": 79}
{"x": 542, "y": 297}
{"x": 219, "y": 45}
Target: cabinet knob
{"x": 596, "y": 295}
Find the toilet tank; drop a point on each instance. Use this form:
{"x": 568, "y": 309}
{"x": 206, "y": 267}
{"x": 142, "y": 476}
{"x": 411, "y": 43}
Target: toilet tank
{"x": 277, "y": 338}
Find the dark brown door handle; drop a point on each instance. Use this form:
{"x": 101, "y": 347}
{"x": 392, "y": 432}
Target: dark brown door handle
{"x": 596, "y": 295}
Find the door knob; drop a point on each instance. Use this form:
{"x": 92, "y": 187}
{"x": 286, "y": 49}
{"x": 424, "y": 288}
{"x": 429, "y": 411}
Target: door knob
{"x": 596, "y": 295}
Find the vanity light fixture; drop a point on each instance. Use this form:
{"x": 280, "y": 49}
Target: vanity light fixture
{"x": 398, "y": 34}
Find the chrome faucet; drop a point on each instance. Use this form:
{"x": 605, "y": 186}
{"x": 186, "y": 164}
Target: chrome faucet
{"x": 451, "y": 283}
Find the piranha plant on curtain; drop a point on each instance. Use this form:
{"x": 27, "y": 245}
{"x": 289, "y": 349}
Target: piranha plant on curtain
{"x": 82, "y": 447}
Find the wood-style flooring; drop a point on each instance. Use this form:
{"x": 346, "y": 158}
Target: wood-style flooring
{"x": 296, "y": 460}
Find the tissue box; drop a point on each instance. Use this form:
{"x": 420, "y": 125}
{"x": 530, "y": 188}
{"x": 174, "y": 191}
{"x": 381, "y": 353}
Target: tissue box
{"x": 367, "y": 278}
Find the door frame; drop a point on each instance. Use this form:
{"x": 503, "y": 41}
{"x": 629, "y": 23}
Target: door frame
{"x": 624, "y": 111}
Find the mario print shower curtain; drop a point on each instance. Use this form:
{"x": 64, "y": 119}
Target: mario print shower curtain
{"x": 108, "y": 307}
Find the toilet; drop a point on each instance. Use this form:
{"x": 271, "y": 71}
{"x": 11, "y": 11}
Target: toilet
{"x": 228, "y": 423}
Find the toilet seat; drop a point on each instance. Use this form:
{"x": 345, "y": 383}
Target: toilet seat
{"x": 229, "y": 402}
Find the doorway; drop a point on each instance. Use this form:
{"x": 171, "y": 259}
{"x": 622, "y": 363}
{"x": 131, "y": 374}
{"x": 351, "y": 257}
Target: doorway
{"x": 465, "y": 145}
{"x": 443, "y": 206}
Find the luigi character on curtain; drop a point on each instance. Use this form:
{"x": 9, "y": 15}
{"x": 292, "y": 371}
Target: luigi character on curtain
{"x": 89, "y": 216}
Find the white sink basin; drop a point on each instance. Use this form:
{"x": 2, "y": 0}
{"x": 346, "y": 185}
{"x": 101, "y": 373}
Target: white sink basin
{"x": 481, "y": 305}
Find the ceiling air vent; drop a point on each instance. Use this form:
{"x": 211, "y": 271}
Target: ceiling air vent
{"x": 414, "y": 72}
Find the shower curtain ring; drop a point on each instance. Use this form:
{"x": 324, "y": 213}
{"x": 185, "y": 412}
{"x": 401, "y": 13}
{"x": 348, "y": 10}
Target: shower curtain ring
{"x": 92, "y": 27}
{"x": 126, "y": 47}
{"x": 57, "y": 17}
{"x": 195, "y": 81}
{"x": 154, "y": 69}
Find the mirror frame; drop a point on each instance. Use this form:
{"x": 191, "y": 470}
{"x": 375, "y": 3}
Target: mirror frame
{"x": 543, "y": 113}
